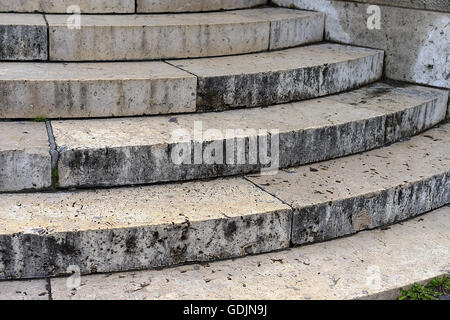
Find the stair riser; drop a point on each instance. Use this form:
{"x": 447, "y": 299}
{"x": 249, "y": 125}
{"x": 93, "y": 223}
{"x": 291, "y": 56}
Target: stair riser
{"x": 97, "y": 98}
{"x": 140, "y": 248}
{"x": 263, "y": 89}
{"x": 23, "y": 42}
{"x": 370, "y": 211}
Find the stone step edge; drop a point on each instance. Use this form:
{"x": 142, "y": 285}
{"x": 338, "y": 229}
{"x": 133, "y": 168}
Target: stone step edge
{"x": 275, "y": 228}
{"x": 53, "y": 45}
{"x": 136, "y": 10}
{"x": 200, "y": 93}
{"x": 78, "y": 159}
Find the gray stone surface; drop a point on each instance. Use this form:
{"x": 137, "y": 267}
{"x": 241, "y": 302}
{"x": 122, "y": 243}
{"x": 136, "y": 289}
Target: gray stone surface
{"x": 124, "y": 229}
{"x": 108, "y": 152}
{"x": 79, "y": 90}
{"x": 416, "y": 42}
{"x": 61, "y": 6}
{"x": 24, "y": 290}
{"x": 369, "y": 265}
{"x": 282, "y": 76}
{"x": 25, "y": 161}
{"x": 373, "y": 189}
{"x": 23, "y": 37}
{"x": 435, "y": 5}
{"x": 136, "y": 37}
{"x": 153, "y": 6}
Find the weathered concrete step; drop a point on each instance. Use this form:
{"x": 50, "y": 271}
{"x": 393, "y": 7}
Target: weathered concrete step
{"x": 125, "y": 6}
{"x": 25, "y": 161}
{"x": 136, "y": 37}
{"x": 128, "y": 151}
{"x": 282, "y": 76}
{"x": 67, "y": 6}
{"x": 142, "y": 227}
{"x": 23, "y": 37}
{"x": 83, "y": 90}
{"x": 79, "y": 90}
{"x": 370, "y": 265}
{"x": 148, "y": 6}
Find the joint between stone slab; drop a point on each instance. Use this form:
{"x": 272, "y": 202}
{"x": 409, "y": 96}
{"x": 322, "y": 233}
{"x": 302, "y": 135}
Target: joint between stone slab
{"x": 48, "y": 37}
{"x": 49, "y": 288}
{"x": 54, "y": 154}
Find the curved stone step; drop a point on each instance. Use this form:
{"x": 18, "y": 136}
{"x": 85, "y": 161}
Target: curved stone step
{"x": 120, "y": 229}
{"x": 138, "y": 37}
{"x": 370, "y": 265}
{"x": 125, "y": 6}
{"x": 282, "y": 76}
{"x": 128, "y": 151}
{"x": 84, "y": 90}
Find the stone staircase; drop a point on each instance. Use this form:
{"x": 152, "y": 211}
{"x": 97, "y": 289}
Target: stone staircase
{"x": 167, "y": 132}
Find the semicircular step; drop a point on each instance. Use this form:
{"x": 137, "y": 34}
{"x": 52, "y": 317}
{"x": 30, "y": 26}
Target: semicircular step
{"x": 121, "y": 229}
{"x": 141, "y": 150}
{"x": 125, "y": 6}
{"x": 86, "y": 90}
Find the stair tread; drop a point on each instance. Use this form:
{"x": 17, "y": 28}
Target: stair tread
{"x": 211, "y": 220}
{"x": 369, "y": 265}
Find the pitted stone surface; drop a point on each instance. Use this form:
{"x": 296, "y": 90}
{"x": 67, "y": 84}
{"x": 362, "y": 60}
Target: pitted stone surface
{"x": 150, "y": 6}
{"x": 141, "y": 227}
{"x": 438, "y": 5}
{"x": 24, "y": 290}
{"x": 135, "y": 37}
{"x": 416, "y": 42}
{"x": 370, "y": 265}
{"x": 23, "y": 37}
{"x": 78, "y": 90}
{"x": 25, "y": 161}
{"x": 107, "y": 152}
{"x": 61, "y": 6}
{"x": 376, "y": 188}
{"x": 281, "y": 76}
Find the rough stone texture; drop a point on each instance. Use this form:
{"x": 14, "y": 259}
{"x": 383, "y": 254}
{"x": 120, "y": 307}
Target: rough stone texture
{"x": 437, "y": 5}
{"x": 61, "y": 6}
{"x": 282, "y": 76}
{"x": 25, "y": 161}
{"x": 43, "y": 234}
{"x": 162, "y": 6}
{"x": 23, "y": 37}
{"x": 369, "y": 265}
{"x": 377, "y": 188}
{"x": 24, "y": 290}
{"x": 79, "y": 90}
{"x": 415, "y": 41}
{"x": 134, "y": 37}
{"x": 139, "y": 150}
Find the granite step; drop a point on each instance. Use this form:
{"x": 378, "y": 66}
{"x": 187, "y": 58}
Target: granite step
{"x": 142, "y": 150}
{"x": 125, "y": 6}
{"x": 107, "y": 89}
{"x": 121, "y": 229}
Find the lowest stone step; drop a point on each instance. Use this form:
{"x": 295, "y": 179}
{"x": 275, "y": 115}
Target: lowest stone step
{"x": 128, "y": 151}
{"x": 371, "y": 265}
{"x": 123, "y": 229}
{"x": 159, "y": 36}
{"x": 83, "y": 90}
{"x": 125, "y": 6}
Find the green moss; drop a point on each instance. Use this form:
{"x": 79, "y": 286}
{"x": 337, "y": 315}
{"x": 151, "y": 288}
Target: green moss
{"x": 435, "y": 288}
{"x": 292, "y": 6}
{"x": 40, "y": 119}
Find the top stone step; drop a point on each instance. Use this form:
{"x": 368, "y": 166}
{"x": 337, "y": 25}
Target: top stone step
{"x": 125, "y": 6}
